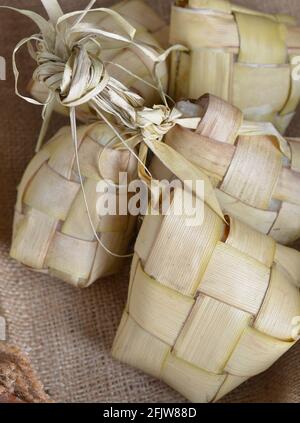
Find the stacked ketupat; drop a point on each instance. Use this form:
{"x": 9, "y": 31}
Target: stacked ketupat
{"x": 210, "y": 305}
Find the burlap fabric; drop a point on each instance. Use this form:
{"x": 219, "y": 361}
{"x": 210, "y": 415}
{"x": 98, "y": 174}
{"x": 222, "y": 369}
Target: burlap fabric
{"x": 68, "y": 333}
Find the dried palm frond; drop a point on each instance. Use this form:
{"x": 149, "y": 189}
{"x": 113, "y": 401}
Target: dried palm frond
{"x": 18, "y": 381}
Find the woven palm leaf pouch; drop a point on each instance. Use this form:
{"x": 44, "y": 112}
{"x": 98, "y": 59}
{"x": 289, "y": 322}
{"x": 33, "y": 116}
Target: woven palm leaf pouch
{"x": 245, "y": 57}
{"x": 52, "y": 231}
{"x": 254, "y": 170}
{"x": 209, "y": 306}
{"x": 58, "y": 228}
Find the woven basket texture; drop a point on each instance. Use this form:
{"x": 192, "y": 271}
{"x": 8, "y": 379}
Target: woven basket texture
{"x": 52, "y": 231}
{"x": 240, "y": 55}
{"x": 208, "y": 306}
{"x": 256, "y": 178}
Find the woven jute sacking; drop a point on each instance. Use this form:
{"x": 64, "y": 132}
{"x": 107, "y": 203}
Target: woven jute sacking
{"x": 257, "y": 177}
{"x": 52, "y": 230}
{"x": 209, "y": 306}
{"x": 240, "y": 55}
{"x": 150, "y": 29}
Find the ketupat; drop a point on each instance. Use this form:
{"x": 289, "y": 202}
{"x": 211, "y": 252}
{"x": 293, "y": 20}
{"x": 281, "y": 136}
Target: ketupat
{"x": 240, "y": 55}
{"x": 209, "y": 306}
{"x": 52, "y": 231}
{"x": 57, "y": 227}
{"x": 256, "y": 174}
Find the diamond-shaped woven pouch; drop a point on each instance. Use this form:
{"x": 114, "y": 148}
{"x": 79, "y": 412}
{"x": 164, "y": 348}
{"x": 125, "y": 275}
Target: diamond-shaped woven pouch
{"x": 209, "y": 306}
{"x": 256, "y": 176}
{"x": 243, "y": 56}
{"x": 52, "y": 231}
